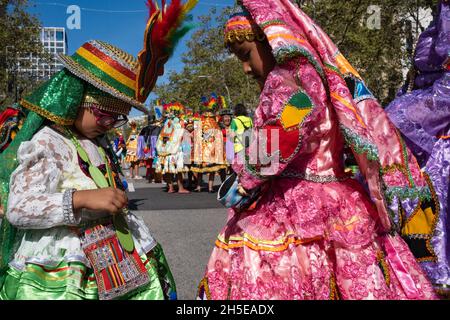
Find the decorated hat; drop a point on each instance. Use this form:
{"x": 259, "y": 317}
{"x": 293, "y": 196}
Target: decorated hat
{"x": 240, "y": 27}
{"x": 223, "y": 107}
{"x": 164, "y": 29}
{"x": 121, "y": 75}
{"x": 107, "y": 68}
{"x": 210, "y": 105}
{"x": 196, "y": 117}
{"x": 174, "y": 108}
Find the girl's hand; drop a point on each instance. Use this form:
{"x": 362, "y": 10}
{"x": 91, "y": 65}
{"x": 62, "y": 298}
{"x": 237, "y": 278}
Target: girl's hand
{"x": 109, "y": 200}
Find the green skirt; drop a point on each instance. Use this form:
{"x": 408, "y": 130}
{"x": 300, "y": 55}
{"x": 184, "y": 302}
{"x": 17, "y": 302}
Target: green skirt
{"x": 75, "y": 281}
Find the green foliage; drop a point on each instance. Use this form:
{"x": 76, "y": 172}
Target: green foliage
{"x": 380, "y": 55}
{"x": 19, "y": 38}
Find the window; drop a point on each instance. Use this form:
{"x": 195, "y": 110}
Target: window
{"x": 49, "y": 35}
{"x": 59, "y": 36}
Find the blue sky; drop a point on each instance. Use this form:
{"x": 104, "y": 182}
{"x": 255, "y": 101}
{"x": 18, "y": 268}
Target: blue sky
{"x": 118, "y": 22}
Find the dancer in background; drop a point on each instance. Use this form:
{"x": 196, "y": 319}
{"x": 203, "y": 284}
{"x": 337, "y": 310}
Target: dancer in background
{"x": 147, "y": 147}
{"x": 226, "y": 116}
{"x": 132, "y": 152}
{"x": 170, "y": 161}
{"x": 422, "y": 114}
{"x": 208, "y": 145}
{"x": 314, "y": 232}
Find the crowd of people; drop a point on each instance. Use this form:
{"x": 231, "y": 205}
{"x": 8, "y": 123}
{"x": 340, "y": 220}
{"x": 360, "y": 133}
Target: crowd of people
{"x": 183, "y": 145}
{"x": 333, "y": 197}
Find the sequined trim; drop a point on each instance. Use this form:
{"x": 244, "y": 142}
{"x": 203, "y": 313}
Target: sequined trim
{"x": 106, "y": 103}
{"x": 313, "y": 177}
{"x": 384, "y": 267}
{"x": 402, "y": 193}
{"x": 334, "y": 293}
{"x": 272, "y": 23}
{"x": 262, "y": 245}
{"x": 205, "y": 287}
{"x": 69, "y": 215}
{"x": 359, "y": 144}
{"x": 243, "y": 35}
{"x": 125, "y": 59}
{"x": 47, "y": 114}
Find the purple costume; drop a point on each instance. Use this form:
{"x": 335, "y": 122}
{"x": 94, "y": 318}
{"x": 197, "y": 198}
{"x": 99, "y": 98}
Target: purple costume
{"x": 423, "y": 117}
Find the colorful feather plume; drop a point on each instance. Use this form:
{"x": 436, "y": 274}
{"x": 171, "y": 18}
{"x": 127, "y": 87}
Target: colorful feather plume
{"x": 169, "y": 29}
{"x": 175, "y": 108}
{"x": 164, "y": 30}
{"x": 211, "y": 104}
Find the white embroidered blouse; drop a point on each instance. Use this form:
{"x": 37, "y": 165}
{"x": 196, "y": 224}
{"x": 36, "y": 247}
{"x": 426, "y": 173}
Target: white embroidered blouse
{"x": 48, "y": 166}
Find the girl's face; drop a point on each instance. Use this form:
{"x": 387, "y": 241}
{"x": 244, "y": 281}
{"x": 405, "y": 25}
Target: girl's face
{"x": 257, "y": 59}
{"x": 86, "y": 124}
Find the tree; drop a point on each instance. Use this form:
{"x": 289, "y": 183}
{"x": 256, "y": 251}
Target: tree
{"x": 208, "y": 68}
{"x": 380, "y": 54}
{"x": 19, "y": 38}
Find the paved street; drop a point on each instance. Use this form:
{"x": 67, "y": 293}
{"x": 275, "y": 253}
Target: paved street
{"x": 186, "y": 225}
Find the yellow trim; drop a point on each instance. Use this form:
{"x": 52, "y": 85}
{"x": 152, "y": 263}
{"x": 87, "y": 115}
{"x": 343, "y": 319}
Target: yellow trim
{"x": 286, "y": 36}
{"x": 204, "y": 284}
{"x": 384, "y": 266}
{"x": 46, "y": 114}
{"x": 257, "y": 247}
{"x": 345, "y": 66}
{"x": 334, "y": 294}
{"x": 102, "y": 65}
{"x": 246, "y": 236}
{"x": 349, "y": 106}
{"x": 239, "y": 23}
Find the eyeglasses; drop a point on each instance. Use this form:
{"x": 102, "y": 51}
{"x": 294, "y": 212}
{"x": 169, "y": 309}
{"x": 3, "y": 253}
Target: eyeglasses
{"x": 107, "y": 120}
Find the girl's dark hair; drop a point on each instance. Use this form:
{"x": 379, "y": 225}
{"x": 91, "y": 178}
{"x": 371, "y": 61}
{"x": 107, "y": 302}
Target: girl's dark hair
{"x": 240, "y": 110}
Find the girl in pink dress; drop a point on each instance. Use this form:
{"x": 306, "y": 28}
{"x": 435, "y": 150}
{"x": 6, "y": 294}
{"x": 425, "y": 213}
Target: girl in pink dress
{"x": 315, "y": 231}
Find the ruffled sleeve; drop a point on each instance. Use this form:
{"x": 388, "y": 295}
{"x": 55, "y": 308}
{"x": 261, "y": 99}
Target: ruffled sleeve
{"x": 282, "y": 121}
{"x": 35, "y": 201}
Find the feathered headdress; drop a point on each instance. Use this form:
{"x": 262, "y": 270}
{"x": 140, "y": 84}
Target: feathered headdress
{"x": 163, "y": 31}
{"x": 175, "y": 108}
{"x": 214, "y": 104}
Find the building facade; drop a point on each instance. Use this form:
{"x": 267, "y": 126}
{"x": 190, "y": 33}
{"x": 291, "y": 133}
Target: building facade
{"x": 54, "y": 40}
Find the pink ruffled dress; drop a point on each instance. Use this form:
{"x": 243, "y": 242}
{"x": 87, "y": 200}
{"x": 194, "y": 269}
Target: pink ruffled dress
{"x": 316, "y": 232}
